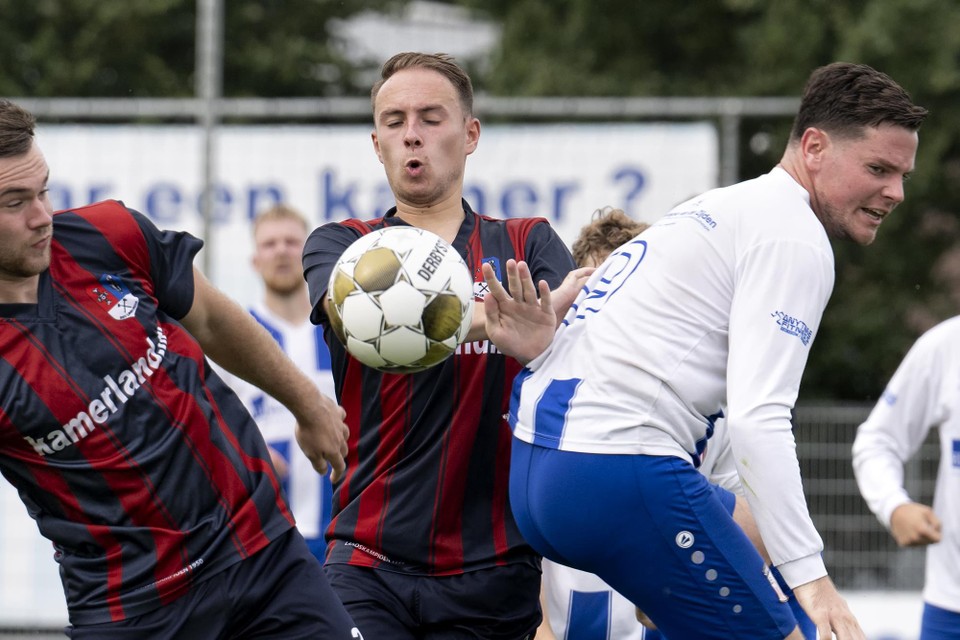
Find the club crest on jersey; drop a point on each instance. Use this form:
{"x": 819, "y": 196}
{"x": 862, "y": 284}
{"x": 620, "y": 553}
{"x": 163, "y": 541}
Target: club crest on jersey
{"x": 114, "y": 295}
{"x": 480, "y": 287}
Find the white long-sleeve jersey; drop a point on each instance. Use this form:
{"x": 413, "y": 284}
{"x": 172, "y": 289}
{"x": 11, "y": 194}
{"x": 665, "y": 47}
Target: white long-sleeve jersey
{"x": 922, "y": 394}
{"x": 715, "y": 304}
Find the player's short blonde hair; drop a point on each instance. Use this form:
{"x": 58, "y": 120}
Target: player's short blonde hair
{"x": 279, "y": 211}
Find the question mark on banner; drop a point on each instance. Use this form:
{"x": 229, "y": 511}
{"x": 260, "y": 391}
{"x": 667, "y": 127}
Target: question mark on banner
{"x": 634, "y": 180}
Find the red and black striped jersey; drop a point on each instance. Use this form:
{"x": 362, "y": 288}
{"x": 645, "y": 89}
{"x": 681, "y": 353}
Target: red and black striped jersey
{"x": 427, "y": 473}
{"x": 133, "y": 457}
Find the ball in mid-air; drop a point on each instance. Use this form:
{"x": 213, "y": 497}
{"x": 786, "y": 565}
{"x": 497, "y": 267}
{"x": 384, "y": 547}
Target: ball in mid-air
{"x": 401, "y": 299}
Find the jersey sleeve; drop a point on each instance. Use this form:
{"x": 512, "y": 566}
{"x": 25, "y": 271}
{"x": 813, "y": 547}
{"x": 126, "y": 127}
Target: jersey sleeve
{"x": 781, "y": 289}
{"x": 320, "y": 253}
{"x": 171, "y": 265}
{"x": 547, "y": 256}
{"x": 896, "y": 427}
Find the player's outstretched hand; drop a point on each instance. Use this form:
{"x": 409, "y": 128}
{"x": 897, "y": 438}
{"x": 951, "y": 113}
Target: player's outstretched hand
{"x": 519, "y": 323}
{"x": 322, "y": 435}
{"x": 569, "y": 289}
{"x": 828, "y": 610}
{"x": 915, "y": 525}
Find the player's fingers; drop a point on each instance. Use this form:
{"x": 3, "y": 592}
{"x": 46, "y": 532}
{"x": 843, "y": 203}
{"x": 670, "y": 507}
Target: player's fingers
{"x": 339, "y": 467}
{"x": 491, "y": 309}
{"x": 497, "y": 291}
{"x": 934, "y": 521}
{"x": 546, "y": 302}
{"x": 513, "y": 280}
{"x": 527, "y": 285}
{"x": 824, "y": 631}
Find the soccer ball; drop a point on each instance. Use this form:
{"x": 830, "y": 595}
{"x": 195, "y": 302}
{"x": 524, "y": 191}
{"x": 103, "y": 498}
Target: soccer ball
{"x": 401, "y": 299}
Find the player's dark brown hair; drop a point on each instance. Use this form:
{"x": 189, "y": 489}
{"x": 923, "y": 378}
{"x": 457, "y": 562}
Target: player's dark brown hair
{"x": 608, "y": 229}
{"x": 843, "y": 99}
{"x": 439, "y": 62}
{"x": 16, "y": 129}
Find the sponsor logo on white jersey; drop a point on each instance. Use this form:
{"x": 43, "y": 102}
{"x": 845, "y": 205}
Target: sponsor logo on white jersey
{"x": 793, "y": 326}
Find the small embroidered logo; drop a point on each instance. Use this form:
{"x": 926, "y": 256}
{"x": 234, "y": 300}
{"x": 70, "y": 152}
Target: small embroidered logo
{"x": 793, "y": 326}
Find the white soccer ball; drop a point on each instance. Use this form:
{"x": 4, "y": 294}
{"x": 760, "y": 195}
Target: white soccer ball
{"x": 401, "y": 299}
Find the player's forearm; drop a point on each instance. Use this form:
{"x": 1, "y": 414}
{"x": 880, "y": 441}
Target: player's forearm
{"x": 233, "y": 339}
{"x": 879, "y": 475}
{"x": 770, "y": 472}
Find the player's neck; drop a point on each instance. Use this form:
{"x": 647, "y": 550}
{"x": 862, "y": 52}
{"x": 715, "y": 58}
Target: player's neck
{"x": 294, "y": 307}
{"x": 19, "y": 290}
{"x": 442, "y": 218}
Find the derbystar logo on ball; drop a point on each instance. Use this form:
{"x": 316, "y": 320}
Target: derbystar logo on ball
{"x": 401, "y": 299}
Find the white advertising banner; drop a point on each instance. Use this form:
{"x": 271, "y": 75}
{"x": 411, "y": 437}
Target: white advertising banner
{"x": 559, "y": 171}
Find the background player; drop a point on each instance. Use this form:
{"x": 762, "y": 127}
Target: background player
{"x": 921, "y": 395}
{"x": 279, "y": 234}
{"x": 131, "y": 454}
{"x": 423, "y": 543}
{"x": 713, "y": 308}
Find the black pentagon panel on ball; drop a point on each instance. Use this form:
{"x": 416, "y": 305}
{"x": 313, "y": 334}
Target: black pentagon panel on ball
{"x": 442, "y": 317}
{"x": 377, "y": 269}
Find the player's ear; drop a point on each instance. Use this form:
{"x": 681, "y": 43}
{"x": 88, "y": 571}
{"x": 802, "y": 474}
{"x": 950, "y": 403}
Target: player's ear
{"x": 376, "y": 145}
{"x": 813, "y": 144}
{"x": 473, "y": 134}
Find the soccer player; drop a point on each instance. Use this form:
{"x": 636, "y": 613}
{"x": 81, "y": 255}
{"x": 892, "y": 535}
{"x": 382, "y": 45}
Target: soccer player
{"x": 279, "y": 234}
{"x": 422, "y": 541}
{"x": 578, "y": 605}
{"x": 921, "y": 395}
{"x": 132, "y": 455}
{"x": 709, "y": 313}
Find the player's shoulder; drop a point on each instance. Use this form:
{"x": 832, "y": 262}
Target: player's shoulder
{"x": 105, "y": 209}
{"x": 943, "y": 334}
{"x": 350, "y": 229}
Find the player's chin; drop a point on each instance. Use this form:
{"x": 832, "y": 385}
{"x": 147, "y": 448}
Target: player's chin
{"x": 864, "y": 236}
{"x": 862, "y": 232}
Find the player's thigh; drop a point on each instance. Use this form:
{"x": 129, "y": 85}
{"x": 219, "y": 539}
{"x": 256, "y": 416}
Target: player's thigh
{"x": 381, "y": 603}
{"x": 499, "y": 603}
{"x": 689, "y": 566}
{"x": 197, "y": 614}
{"x": 939, "y": 624}
{"x": 283, "y": 593}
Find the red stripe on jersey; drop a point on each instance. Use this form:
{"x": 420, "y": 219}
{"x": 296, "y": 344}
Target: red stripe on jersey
{"x": 352, "y": 404}
{"x": 245, "y": 521}
{"x": 501, "y": 478}
{"x": 395, "y": 392}
{"x": 251, "y": 463}
{"x": 103, "y": 216}
{"x": 447, "y": 544}
{"x": 15, "y": 348}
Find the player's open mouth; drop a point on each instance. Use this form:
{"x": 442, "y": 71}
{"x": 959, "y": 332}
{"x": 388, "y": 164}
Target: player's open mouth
{"x": 876, "y": 214}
